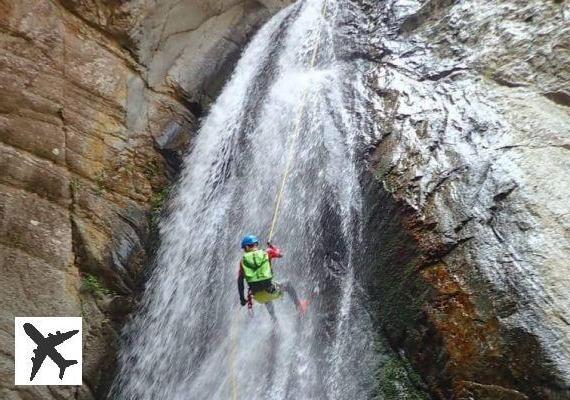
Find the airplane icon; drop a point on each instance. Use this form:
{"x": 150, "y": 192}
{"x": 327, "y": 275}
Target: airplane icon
{"x": 46, "y": 348}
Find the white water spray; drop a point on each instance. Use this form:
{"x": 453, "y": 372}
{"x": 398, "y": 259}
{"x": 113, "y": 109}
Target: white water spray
{"x": 186, "y": 342}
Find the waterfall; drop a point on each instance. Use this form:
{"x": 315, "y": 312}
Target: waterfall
{"x": 191, "y": 339}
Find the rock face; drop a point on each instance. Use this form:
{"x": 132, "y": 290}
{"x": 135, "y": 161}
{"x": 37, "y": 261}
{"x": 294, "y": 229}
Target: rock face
{"x": 472, "y": 228}
{"x": 97, "y": 102}
{"x": 98, "y": 99}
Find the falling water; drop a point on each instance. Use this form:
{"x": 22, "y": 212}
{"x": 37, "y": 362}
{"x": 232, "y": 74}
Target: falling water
{"x": 191, "y": 339}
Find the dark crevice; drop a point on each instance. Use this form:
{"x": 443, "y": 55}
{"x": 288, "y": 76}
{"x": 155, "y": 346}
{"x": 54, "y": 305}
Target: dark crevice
{"x": 559, "y": 97}
{"x": 442, "y": 74}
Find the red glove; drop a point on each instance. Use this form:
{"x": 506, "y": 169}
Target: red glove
{"x": 273, "y": 252}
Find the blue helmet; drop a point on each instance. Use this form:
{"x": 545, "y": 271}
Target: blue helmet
{"x": 248, "y": 240}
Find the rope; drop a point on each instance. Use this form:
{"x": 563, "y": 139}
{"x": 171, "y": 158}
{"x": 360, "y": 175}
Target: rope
{"x": 296, "y": 131}
{"x": 290, "y": 154}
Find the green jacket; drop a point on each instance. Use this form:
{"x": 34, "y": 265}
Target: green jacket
{"x": 256, "y": 266}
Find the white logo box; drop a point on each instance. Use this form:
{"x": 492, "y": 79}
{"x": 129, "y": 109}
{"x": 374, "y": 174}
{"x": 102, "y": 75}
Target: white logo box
{"x": 69, "y": 350}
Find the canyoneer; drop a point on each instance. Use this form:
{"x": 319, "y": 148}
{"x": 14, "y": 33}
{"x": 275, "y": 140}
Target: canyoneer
{"x": 255, "y": 267}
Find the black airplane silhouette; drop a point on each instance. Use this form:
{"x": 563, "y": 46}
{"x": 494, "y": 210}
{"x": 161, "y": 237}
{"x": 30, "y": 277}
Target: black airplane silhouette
{"x": 46, "y": 348}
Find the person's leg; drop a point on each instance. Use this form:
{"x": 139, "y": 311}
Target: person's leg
{"x": 271, "y": 311}
{"x": 290, "y": 290}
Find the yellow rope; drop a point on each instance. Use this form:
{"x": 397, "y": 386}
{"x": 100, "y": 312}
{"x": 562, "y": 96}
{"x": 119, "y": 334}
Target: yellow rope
{"x": 279, "y": 197}
{"x": 296, "y": 131}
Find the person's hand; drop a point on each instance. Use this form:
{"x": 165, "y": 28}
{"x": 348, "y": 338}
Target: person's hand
{"x": 273, "y": 251}
{"x": 242, "y": 301}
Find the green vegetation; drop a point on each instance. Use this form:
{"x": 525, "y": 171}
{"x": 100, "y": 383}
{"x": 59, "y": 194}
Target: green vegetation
{"x": 151, "y": 169}
{"x": 395, "y": 377}
{"x": 100, "y": 181}
{"x": 94, "y": 285}
{"x": 75, "y": 185}
{"x": 156, "y": 203}
{"x": 396, "y": 382}
{"x": 156, "y": 206}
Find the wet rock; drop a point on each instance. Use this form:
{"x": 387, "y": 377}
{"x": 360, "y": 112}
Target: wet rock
{"x": 473, "y": 129}
{"x": 472, "y": 390}
{"x": 172, "y": 143}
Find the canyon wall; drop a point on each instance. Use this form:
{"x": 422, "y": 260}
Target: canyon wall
{"x": 470, "y": 218}
{"x": 98, "y": 101}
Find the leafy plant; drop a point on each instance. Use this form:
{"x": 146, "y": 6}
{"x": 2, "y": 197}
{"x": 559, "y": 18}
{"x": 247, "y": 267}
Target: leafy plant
{"x": 95, "y": 285}
{"x": 156, "y": 204}
{"x": 396, "y": 382}
{"x": 101, "y": 182}
{"x": 75, "y": 185}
